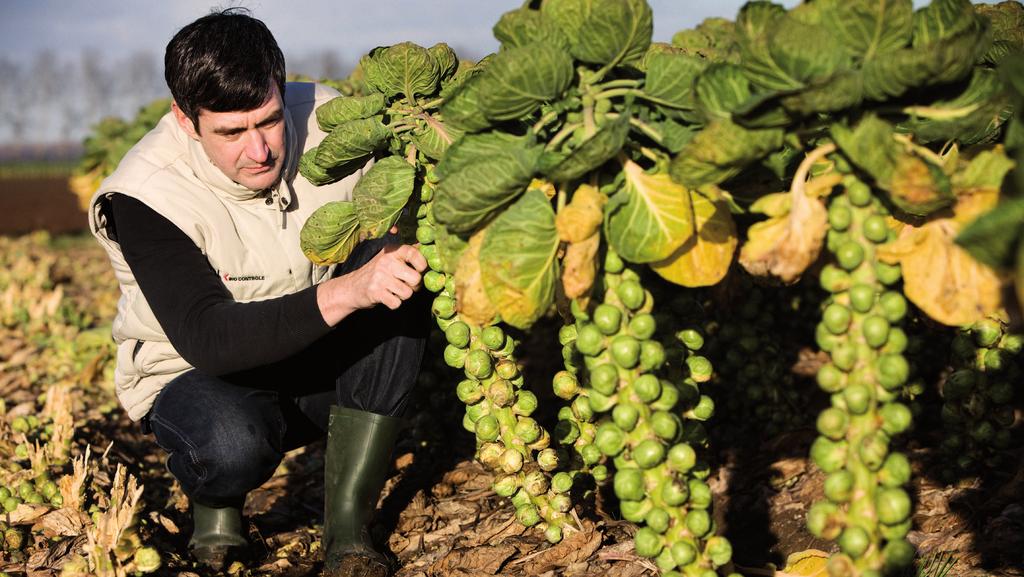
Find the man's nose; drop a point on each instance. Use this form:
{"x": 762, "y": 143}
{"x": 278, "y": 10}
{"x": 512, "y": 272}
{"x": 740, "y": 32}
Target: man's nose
{"x": 256, "y": 147}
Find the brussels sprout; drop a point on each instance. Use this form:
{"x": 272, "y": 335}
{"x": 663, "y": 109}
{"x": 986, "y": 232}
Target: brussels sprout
{"x": 526, "y": 403}
{"x": 830, "y": 378}
{"x": 893, "y": 371}
{"x": 628, "y": 484}
{"x": 501, "y": 392}
{"x": 14, "y": 539}
{"x": 683, "y": 552}
{"x": 553, "y": 533}
{"x": 511, "y": 461}
{"x": 647, "y": 388}
{"x": 674, "y": 493}
{"x": 987, "y": 332}
{"x": 625, "y": 351}
{"x": 507, "y": 369}
{"x": 566, "y": 432}
{"x": 607, "y": 318}
{"x": 829, "y": 456}
{"x": 604, "y": 378}
{"x": 859, "y": 193}
{"x": 839, "y": 217}
{"x": 849, "y": 255}
{"x": 642, "y": 326}
{"x": 625, "y": 416}
{"x": 700, "y": 368}
{"x": 854, "y": 541}
{"x": 834, "y": 279}
{"x": 487, "y": 428}
{"x": 613, "y": 264}
{"x": 590, "y": 454}
{"x": 528, "y": 515}
{"x": 875, "y": 330}
{"x": 493, "y": 337}
{"x": 873, "y": 450}
{"x": 455, "y": 357}
{"x": 610, "y": 439}
{"x": 581, "y": 409}
{"x": 589, "y": 340}
{"x": 478, "y": 364}
{"x": 888, "y": 274}
{"x": 648, "y": 543}
{"x": 704, "y": 409}
{"x": 443, "y": 307}
{"x": 832, "y": 423}
{"x": 898, "y": 554}
{"x": 875, "y": 229}
{"x": 893, "y": 506}
{"x": 649, "y": 453}
{"x": 536, "y": 483}
{"x": 681, "y": 457}
{"x": 691, "y": 339}
{"x": 631, "y": 293}
{"x": 469, "y": 391}
{"x": 698, "y": 521}
{"x": 893, "y": 306}
{"x": 665, "y": 425}
{"x": 839, "y": 486}
{"x": 862, "y": 297}
{"x": 658, "y": 519}
{"x": 669, "y": 397}
{"x": 652, "y": 355}
{"x": 601, "y": 403}
{"x": 505, "y": 485}
{"x": 836, "y": 318}
{"x": 20, "y": 425}
{"x": 718, "y": 550}
{"x": 895, "y": 471}
{"x": 996, "y": 360}
{"x": 895, "y": 532}
{"x": 635, "y": 511}
{"x": 896, "y": 418}
{"x": 10, "y": 504}
{"x": 527, "y": 430}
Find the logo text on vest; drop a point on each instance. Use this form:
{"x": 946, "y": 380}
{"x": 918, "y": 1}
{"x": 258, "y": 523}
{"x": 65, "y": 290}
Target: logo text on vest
{"x": 241, "y": 278}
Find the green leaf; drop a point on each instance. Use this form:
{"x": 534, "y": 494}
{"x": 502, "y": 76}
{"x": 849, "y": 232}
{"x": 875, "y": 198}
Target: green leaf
{"x": 914, "y": 185}
{"x": 649, "y": 217}
{"x": 721, "y": 150}
{"x": 382, "y": 193}
{"x": 462, "y": 107}
{"x": 568, "y": 16}
{"x": 975, "y": 115}
{"x": 674, "y": 136}
{"x": 869, "y": 29}
{"x": 843, "y": 90}
{"x": 1007, "y": 20}
{"x": 807, "y": 52}
{"x": 713, "y": 40}
{"x": 614, "y": 32}
{"x": 474, "y": 148}
{"x": 518, "y": 80}
{"x": 993, "y": 237}
{"x": 524, "y": 26}
{"x": 330, "y": 233}
{"x": 433, "y": 137}
{"x": 720, "y": 90}
{"x": 446, "y": 59}
{"x": 518, "y": 260}
{"x": 985, "y": 171}
{"x": 942, "y": 19}
{"x": 593, "y": 152}
{"x": 755, "y": 26}
{"x": 405, "y": 68}
{"x": 481, "y": 181}
{"x": 670, "y": 77}
{"x": 342, "y": 109}
{"x": 352, "y": 141}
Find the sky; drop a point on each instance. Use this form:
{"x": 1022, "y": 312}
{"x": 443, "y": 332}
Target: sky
{"x": 301, "y": 26}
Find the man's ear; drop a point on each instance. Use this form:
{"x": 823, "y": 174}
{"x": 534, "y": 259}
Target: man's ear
{"x": 184, "y": 121}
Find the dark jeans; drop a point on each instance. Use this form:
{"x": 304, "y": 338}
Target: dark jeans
{"x": 225, "y": 435}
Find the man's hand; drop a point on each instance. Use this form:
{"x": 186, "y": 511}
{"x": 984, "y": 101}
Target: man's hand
{"x": 389, "y": 278}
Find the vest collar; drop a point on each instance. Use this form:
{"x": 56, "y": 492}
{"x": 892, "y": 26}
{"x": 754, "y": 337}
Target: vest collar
{"x": 279, "y": 197}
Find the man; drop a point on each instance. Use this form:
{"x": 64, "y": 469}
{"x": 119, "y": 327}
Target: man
{"x": 225, "y": 347}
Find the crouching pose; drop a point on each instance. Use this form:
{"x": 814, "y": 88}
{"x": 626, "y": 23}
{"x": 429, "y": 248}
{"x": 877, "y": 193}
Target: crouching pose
{"x": 232, "y": 348}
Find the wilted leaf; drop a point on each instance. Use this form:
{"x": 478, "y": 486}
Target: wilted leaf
{"x": 354, "y": 140}
{"x": 582, "y": 217}
{"x": 720, "y": 151}
{"x": 649, "y": 217}
{"x": 381, "y": 194}
{"x": 1007, "y": 20}
{"x": 941, "y": 278}
{"x": 809, "y": 563}
{"x": 593, "y": 152}
{"x": 713, "y": 40}
{"x": 704, "y": 258}
{"x": 579, "y": 266}
{"x": 405, "y": 68}
{"x": 342, "y": 109}
{"x": 518, "y": 260}
{"x": 474, "y": 305}
{"x": 480, "y": 177}
{"x": 518, "y": 80}
{"x": 788, "y": 242}
{"x": 330, "y": 233}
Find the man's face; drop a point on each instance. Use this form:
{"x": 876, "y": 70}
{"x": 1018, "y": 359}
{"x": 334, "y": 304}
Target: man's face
{"x": 247, "y": 146}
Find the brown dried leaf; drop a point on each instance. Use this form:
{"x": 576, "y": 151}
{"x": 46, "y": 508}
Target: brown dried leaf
{"x": 473, "y": 304}
{"x": 575, "y": 547}
{"x": 941, "y": 278}
{"x": 485, "y": 559}
{"x": 64, "y": 522}
{"x": 27, "y": 514}
{"x": 579, "y": 267}
{"x": 581, "y": 218}
{"x": 788, "y": 242}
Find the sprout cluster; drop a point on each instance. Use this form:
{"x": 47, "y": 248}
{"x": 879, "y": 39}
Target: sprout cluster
{"x": 977, "y": 412}
{"x": 866, "y": 507}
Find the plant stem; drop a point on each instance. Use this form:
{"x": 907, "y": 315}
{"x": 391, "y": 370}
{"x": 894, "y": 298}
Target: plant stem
{"x": 639, "y": 94}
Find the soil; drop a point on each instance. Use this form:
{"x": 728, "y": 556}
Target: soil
{"x": 438, "y": 516}
{"x": 28, "y": 204}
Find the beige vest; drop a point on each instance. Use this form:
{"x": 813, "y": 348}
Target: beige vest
{"x": 251, "y": 238}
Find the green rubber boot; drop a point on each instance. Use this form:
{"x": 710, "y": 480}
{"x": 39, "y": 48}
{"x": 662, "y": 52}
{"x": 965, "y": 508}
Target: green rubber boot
{"x": 358, "y": 456}
{"x": 217, "y": 536}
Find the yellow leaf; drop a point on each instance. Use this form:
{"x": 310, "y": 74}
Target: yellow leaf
{"x": 581, "y": 218}
{"x": 941, "y": 278}
{"x": 705, "y": 256}
{"x": 472, "y": 302}
{"x": 788, "y": 242}
{"x": 809, "y": 563}
{"x": 544, "y": 186}
{"x": 579, "y": 267}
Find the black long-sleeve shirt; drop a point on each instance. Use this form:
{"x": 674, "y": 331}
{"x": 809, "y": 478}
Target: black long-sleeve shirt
{"x": 204, "y": 323}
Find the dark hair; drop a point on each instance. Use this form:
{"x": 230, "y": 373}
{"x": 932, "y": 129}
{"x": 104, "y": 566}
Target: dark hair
{"x": 223, "y": 62}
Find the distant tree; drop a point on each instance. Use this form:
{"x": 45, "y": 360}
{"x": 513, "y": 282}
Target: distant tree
{"x": 13, "y": 100}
